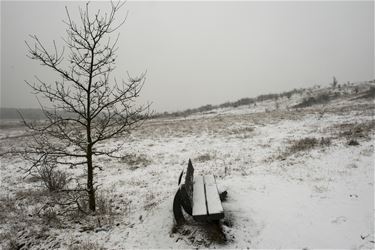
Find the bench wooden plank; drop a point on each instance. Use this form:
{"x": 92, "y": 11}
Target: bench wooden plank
{"x": 199, "y": 198}
{"x": 209, "y": 180}
{"x": 214, "y": 207}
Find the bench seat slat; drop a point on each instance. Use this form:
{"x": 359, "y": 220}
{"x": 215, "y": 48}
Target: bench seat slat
{"x": 214, "y": 207}
{"x": 209, "y": 180}
{"x": 199, "y": 199}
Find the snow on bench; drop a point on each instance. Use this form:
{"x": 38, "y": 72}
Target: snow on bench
{"x": 199, "y": 197}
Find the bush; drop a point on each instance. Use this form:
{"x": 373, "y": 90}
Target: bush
{"x": 325, "y": 141}
{"x": 53, "y": 179}
{"x": 356, "y": 130}
{"x": 353, "y": 143}
{"x": 204, "y": 157}
{"x": 371, "y": 92}
{"x": 136, "y": 160}
{"x": 367, "y": 94}
{"x": 243, "y": 101}
{"x": 261, "y": 98}
{"x": 307, "y": 102}
{"x": 303, "y": 144}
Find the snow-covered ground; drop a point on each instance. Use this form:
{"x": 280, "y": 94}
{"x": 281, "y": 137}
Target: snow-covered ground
{"x": 279, "y": 195}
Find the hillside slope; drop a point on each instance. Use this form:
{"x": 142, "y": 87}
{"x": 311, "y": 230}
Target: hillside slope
{"x": 297, "y": 177}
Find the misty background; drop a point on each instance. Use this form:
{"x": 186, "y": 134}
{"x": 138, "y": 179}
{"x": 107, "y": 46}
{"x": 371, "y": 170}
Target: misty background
{"x": 198, "y": 53}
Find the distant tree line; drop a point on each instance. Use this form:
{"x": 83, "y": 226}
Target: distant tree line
{"x": 235, "y": 104}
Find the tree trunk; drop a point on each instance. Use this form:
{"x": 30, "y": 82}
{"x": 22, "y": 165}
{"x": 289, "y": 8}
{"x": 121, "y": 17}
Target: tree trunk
{"x": 90, "y": 169}
{"x": 90, "y": 179}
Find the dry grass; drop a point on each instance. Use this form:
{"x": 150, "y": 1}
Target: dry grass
{"x": 370, "y": 93}
{"x": 303, "y": 145}
{"x": 205, "y": 157}
{"x": 14, "y": 208}
{"x": 356, "y": 130}
{"x": 135, "y": 161}
{"x": 242, "y": 130}
{"x": 31, "y": 220}
{"x": 353, "y": 133}
{"x": 109, "y": 207}
{"x": 24, "y": 237}
{"x": 310, "y": 101}
{"x": 8, "y": 209}
{"x": 150, "y": 201}
{"x": 76, "y": 245}
{"x": 202, "y": 235}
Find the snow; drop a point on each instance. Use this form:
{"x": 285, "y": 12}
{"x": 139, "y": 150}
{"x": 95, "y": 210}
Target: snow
{"x": 199, "y": 199}
{"x": 213, "y": 200}
{"x": 319, "y": 198}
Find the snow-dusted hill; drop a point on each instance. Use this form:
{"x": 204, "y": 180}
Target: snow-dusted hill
{"x": 297, "y": 177}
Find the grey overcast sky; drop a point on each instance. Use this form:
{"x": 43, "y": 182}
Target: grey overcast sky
{"x": 199, "y": 53}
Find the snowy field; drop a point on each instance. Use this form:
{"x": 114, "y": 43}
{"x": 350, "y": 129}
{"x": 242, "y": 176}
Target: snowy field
{"x": 296, "y": 178}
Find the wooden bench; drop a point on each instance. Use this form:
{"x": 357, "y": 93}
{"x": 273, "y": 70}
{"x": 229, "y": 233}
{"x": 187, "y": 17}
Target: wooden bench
{"x": 199, "y": 197}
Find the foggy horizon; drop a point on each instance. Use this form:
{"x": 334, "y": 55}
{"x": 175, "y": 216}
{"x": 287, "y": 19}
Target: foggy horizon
{"x": 199, "y": 53}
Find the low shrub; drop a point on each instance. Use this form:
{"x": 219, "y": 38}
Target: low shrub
{"x": 104, "y": 204}
{"x": 355, "y": 131}
{"x": 353, "y": 142}
{"x": 241, "y": 130}
{"x": 325, "y": 141}
{"x": 304, "y": 144}
{"x": 367, "y": 94}
{"x": 204, "y": 157}
{"x": 52, "y": 178}
{"x": 136, "y": 160}
{"x": 320, "y": 99}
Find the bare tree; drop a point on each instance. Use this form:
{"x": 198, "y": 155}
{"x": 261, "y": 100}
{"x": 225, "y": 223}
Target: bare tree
{"x": 86, "y": 105}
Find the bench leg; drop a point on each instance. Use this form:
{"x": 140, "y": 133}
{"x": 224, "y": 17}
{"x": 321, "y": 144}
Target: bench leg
{"x": 223, "y": 195}
{"x": 177, "y": 208}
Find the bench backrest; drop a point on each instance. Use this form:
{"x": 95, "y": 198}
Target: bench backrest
{"x": 189, "y": 179}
